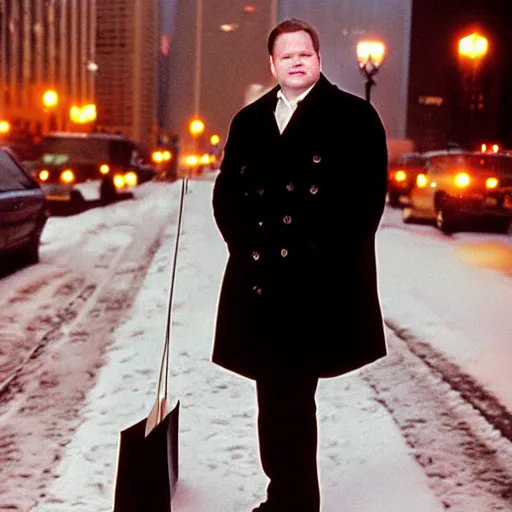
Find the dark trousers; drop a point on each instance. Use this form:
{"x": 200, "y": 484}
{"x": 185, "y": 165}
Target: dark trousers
{"x": 287, "y": 429}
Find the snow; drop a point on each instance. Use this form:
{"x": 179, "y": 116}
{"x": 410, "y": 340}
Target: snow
{"x": 365, "y": 462}
{"x": 458, "y": 296}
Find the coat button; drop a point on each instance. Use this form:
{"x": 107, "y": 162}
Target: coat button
{"x": 313, "y": 189}
{"x": 317, "y": 159}
{"x": 287, "y": 219}
{"x": 290, "y": 186}
{"x": 284, "y": 253}
{"x": 260, "y": 191}
{"x": 255, "y": 256}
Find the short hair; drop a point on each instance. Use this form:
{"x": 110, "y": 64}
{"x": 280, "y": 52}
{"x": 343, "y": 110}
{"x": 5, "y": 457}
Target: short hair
{"x": 289, "y": 26}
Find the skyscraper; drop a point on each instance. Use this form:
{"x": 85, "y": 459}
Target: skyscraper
{"x": 45, "y": 44}
{"x": 126, "y": 54}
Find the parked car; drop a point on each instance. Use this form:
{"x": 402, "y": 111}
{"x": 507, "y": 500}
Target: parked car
{"x": 456, "y": 188}
{"x": 23, "y": 210}
{"x": 80, "y": 167}
{"x": 402, "y": 176}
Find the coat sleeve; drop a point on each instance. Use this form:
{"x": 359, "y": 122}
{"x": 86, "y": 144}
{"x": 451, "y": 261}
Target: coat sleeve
{"x": 229, "y": 200}
{"x": 373, "y": 157}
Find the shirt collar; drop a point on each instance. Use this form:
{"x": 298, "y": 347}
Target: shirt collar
{"x": 292, "y": 104}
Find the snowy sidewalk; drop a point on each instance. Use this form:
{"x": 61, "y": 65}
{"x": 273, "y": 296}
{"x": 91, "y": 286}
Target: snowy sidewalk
{"x": 364, "y": 461}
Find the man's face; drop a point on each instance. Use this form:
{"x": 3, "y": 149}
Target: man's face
{"x": 294, "y": 63}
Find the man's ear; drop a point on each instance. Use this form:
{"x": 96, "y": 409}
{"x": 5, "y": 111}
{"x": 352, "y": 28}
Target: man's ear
{"x": 272, "y": 67}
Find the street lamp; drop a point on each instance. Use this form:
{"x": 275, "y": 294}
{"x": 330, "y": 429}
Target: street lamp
{"x": 473, "y": 46}
{"x": 196, "y": 127}
{"x": 370, "y": 55}
{"x": 50, "y": 102}
{"x": 472, "y": 49}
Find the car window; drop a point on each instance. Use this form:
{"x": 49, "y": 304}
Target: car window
{"x": 414, "y": 163}
{"x": 121, "y": 152}
{"x": 498, "y": 163}
{"x": 60, "y": 150}
{"x": 12, "y": 177}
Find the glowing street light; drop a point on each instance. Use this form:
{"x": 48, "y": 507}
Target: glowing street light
{"x": 370, "y": 56}
{"x": 50, "y": 98}
{"x": 214, "y": 140}
{"x": 473, "y": 46}
{"x": 5, "y": 127}
{"x": 196, "y": 127}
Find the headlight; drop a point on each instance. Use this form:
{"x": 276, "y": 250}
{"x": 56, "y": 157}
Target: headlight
{"x": 119, "y": 181}
{"x": 44, "y": 175}
{"x": 192, "y": 160}
{"x": 205, "y": 159}
{"x": 67, "y": 176}
{"x": 130, "y": 179}
{"x": 104, "y": 169}
{"x": 421, "y": 181}
{"x": 462, "y": 180}
{"x": 491, "y": 183}
{"x": 400, "y": 176}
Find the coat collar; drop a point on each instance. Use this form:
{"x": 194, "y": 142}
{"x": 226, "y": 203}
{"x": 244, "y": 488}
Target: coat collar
{"x": 269, "y": 102}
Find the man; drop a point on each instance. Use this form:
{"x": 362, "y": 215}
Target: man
{"x": 298, "y": 200}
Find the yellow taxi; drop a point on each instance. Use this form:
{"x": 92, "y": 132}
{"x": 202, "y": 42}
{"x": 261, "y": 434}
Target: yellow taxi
{"x": 458, "y": 188}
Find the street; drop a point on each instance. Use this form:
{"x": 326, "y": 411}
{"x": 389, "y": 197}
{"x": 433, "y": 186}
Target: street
{"x": 428, "y": 428}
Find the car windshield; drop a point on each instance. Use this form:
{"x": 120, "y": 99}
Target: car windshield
{"x": 475, "y": 163}
{"x": 11, "y": 176}
{"x": 60, "y": 150}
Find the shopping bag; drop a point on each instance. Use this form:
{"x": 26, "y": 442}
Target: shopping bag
{"x": 147, "y": 462}
{"x": 147, "y": 470}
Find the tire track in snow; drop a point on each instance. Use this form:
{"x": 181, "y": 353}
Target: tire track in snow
{"x": 467, "y": 460}
{"x": 42, "y": 403}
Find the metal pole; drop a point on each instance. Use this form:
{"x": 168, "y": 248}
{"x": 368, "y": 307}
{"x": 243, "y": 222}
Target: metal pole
{"x": 370, "y": 82}
{"x": 199, "y": 43}
{"x": 3, "y": 51}
{"x": 273, "y": 13}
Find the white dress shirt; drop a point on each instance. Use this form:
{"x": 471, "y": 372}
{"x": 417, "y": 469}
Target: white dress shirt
{"x": 285, "y": 108}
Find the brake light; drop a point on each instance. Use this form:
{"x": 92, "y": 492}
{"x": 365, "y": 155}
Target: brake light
{"x": 400, "y": 175}
{"x": 421, "y": 181}
{"x": 462, "y": 180}
{"x": 44, "y": 175}
{"x": 67, "y": 176}
{"x": 491, "y": 182}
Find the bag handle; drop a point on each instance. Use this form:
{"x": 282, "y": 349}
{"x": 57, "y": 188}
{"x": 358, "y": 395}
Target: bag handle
{"x": 163, "y": 377}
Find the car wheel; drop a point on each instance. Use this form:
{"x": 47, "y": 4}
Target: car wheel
{"x": 444, "y": 221}
{"x": 76, "y": 198}
{"x": 108, "y": 192}
{"x": 501, "y": 225}
{"x": 393, "y": 199}
{"x": 29, "y": 255}
{"x": 407, "y": 216}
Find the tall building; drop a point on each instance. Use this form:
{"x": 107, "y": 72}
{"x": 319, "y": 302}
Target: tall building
{"x": 418, "y": 93}
{"x": 127, "y": 56}
{"x": 443, "y": 105}
{"x": 232, "y": 56}
{"x": 45, "y": 44}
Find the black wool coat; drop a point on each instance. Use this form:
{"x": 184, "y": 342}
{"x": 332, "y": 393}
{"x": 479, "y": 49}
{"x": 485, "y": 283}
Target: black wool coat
{"x": 299, "y": 212}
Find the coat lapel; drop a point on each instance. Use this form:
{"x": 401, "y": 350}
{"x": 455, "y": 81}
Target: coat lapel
{"x": 306, "y": 115}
